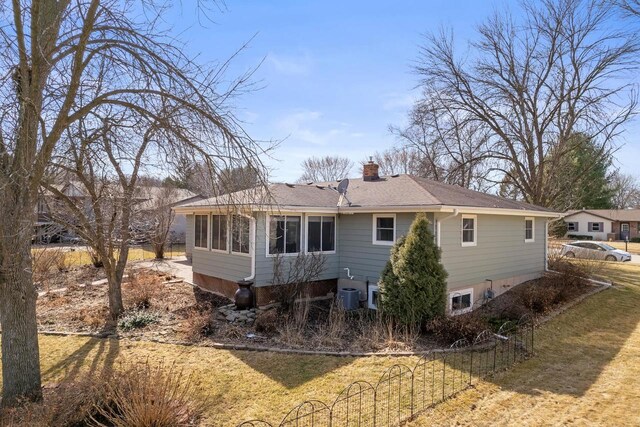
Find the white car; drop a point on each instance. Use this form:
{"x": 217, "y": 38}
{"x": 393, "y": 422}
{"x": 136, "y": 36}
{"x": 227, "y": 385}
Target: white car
{"x": 594, "y": 250}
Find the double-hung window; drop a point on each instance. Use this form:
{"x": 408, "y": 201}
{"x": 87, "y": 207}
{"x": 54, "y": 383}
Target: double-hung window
{"x": 201, "y": 233}
{"x": 469, "y": 230}
{"x": 572, "y": 226}
{"x": 284, "y": 234}
{"x": 384, "y": 229}
{"x": 219, "y": 232}
{"x": 240, "y": 227}
{"x": 321, "y": 233}
{"x": 529, "y": 230}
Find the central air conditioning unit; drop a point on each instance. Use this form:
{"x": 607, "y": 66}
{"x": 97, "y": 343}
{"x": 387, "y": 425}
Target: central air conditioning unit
{"x": 372, "y": 298}
{"x": 350, "y": 298}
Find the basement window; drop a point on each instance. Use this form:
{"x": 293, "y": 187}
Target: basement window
{"x": 461, "y": 301}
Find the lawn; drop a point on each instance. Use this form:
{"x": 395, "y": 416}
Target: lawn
{"x": 79, "y": 256}
{"x": 585, "y": 371}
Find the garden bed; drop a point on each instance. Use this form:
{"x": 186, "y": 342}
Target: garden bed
{"x": 160, "y": 308}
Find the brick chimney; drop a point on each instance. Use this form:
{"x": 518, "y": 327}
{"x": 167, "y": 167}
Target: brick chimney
{"x": 370, "y": 171}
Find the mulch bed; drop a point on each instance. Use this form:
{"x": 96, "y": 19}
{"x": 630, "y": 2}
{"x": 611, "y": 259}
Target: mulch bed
{"x": 180, "y": 314}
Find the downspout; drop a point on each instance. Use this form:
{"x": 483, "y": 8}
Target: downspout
{"x": 546, "y": 244}
{"x": 440, "y": 221}
{"x": 252, "y": 248}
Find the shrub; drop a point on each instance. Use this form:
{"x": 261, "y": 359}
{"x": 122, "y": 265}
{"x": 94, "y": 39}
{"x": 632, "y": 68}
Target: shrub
{"x": 68, "y": 404}
{"x": 47, "y": 263}
{"x": 413, "y": 283}
{"x": 579, "y": 237}
{"x": 558, "y": 228}
{"x": 141, "y": 289}
{"x": 142, "y": 395}
{"x": 635, "y": 239}
{"x": 267, "y": 322}
{"x": 539, "y": 298}
{"x": 197, "y": 323}
{"x": 450, "y": 329}
{"x": 136, "y": 319}
{"x": 331, "y": 332}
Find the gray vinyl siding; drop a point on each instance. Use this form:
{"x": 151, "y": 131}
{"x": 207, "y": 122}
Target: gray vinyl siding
{"x": 189, "y": 235}
{"x": 223, "y": 265}
{"x": 356, "y": 249}
{"x": 217, "y": 264}
{"x": 500, "y": 253}
{"x": 264, "y": 263}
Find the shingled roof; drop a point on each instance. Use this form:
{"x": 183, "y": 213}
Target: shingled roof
{"x": 404, "y": 191}
{"x": 611, "y": 214}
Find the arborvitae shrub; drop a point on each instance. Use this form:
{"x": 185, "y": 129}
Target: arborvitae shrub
{"x": 413, "y": 284}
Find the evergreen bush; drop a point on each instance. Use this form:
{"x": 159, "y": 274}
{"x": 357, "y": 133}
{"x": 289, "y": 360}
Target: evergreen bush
{"x": 413, "y": 283}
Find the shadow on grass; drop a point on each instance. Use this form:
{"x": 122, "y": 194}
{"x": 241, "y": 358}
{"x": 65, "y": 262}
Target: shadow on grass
{"x": 574, "y": 349}
{"x": 96, "y": 357}
{"x": 291, "y": 370}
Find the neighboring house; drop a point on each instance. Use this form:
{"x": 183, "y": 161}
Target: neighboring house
{"x": 603, "y": 224}
{"x": 147, "y": 198}
{"x": 488, "y": 243}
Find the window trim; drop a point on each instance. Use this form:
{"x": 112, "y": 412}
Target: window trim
{"x": 475, "y": 230}
{"x": 456, "y": 293}
{"x": 575, "y": 229}
{"x": 268, "y": 234}
{"x": 228, "y": 238}
{"x": 306, "y": 234}
{"x": 374, "y": 233}
{"x": 202, "y": 248}
{"x": 595, "y": 231}
{"x": 533, "y": 229}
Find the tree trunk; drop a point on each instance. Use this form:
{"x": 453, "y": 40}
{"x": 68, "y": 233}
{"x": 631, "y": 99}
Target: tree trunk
{"x": 159, "y": 250}
{"x": 20, "y": 353}
{"x": 114, "y": 279}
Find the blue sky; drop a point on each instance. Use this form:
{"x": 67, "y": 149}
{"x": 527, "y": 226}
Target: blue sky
{"x": 335, "y": 74}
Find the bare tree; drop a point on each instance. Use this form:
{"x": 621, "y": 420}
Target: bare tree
{"x": 62, "y": 62}
{"x": 399, "y": 160}
{"x": 157, "y": 217}
{"x": 626, "y": 191}
{"x": 533, "y": 83}
{"x": 629, "y": 7}
{"x": 291, "y": 275}
{"x": 324, "y": 169}
{"x": 446, "y": 146}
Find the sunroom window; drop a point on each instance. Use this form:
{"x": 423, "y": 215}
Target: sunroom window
{"x": 321, "y": 233}
{"x": 240, "y": 234}
{"x": 219, "y": 232}
{"x": 284, "y": 234}
{"x": 200, "y": 227}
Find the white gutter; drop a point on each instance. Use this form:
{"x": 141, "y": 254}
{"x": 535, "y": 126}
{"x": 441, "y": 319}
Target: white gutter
{"x": 438, "y": 222}
{"x": 252, "y": 248}
{"x": 374, "y": 209}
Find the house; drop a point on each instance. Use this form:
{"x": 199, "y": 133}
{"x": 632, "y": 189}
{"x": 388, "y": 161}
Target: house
{"x": 488, "y": 243}
{"x": 603, "y": 224}
{"x": 147, "y": 198}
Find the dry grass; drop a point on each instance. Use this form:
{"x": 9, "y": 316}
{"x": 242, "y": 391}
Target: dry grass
{"x": 79, "y": 256}
{"x": 141, "y": 289}
{"x": 632, "y": 247}
{"x": 586, "y": 371}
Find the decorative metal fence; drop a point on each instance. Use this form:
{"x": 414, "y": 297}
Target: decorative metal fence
{"x": 403, "y": 392}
